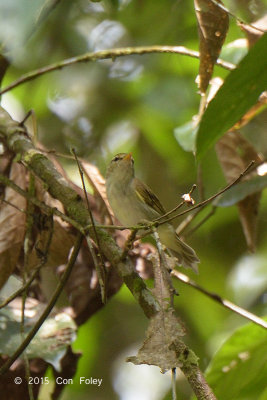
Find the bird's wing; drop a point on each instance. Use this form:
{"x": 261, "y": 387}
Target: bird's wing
{"x": 144, "y": 192}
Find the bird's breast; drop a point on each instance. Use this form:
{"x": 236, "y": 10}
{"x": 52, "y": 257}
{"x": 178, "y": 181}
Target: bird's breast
{"x": 126, "y": 205}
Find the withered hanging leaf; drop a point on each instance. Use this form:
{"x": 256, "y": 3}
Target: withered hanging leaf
{"x": 83, "y": 289}
{"x": 12, "y": 223}
{"x": 235, "y": 153}
{"x": 97, "y": 181}
{"x": 213, "y": 23}
{"x": 161, "y": 346}
{"x": 248, "y": 214}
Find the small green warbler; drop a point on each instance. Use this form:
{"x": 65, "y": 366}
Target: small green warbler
{"x": 132, "y": 202}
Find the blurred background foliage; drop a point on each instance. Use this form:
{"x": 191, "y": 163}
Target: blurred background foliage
{"x": 134, "y": 103}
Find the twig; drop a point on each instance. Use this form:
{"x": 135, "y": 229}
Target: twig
{"x": 113, "y": 54}
{"x": 48, "y": 308}
{"x": 174, "y": 397}
{"x": 13, "y": 205}
{"x": 22, "y": 289}
{"x": 225, "y": 303}
{"x": 186, "y": 221}
{"x": 197, "y": 226}
{"x": 178, "y": 206}
{"x": 203, "y": 203}
{"x": 100, "y": 270}
{"x": 220, "y": 5}
{"x": 26, "y": 116}
{"x": 26, "y": 247}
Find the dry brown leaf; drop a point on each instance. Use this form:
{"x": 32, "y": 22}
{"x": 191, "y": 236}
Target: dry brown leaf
{"x": 248, "y": 214}
{"x": 12, "y": 224}
{"x": 235, "y": 153}
{"x": 159, "y": 347}
{"x": 213, "y": 23}
{"x": 97, "y": 182}
{"x": 83, "y": 289}
{"x": 62, "y": 240}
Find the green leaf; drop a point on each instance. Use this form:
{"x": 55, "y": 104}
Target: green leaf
{"x": 241, "y": 190}
{"x": 240, "y": 365}
{"x": 239, "y": 92}
{"x": 186, "y": 135}
{"x": 51, "y": 341}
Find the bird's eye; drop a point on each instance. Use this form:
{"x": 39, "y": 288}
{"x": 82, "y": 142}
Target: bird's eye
{"x": 116, "y": 158}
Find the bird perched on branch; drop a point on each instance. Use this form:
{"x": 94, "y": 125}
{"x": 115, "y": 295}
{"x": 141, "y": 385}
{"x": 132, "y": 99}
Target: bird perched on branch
{"x": 133, "y": 202}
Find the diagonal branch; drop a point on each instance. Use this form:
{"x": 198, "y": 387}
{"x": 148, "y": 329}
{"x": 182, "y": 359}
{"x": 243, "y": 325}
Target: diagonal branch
{"x": 210, "y": 199}
{"x": 110, "y": 54}
{"x": 225, "y": 303}
{"x": 99, "y": 267}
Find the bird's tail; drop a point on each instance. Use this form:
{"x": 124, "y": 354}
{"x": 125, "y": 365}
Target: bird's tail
{"x": 185, "y": 255}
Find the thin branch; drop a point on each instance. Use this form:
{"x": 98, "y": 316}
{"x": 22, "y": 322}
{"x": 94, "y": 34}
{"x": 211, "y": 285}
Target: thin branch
{"x": 174, "y": 396}
{"x": 110, "y": 54}
{"x": 205, "y": 219}
{"x": 178, "y": 206}
{"x": 203, "y": 203}
{"x": 225, "y": 303}
{"x": 186, "y": 221}
{"x": 48, "y": 308}
{"x": 26, "y": 247}
{"x": 100, "y": 269}
{"x": 239, "y": 20}
{"x": 13, "y": 205}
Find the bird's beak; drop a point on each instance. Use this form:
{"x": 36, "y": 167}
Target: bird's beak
{"x": 128, "y": 157}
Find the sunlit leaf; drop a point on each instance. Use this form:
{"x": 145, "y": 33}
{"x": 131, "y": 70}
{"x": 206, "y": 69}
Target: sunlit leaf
{"x": 186, "y": 135}
{"x": 240, "y": 365}
{"x": 51, "y": 341}
{"x": 239, "y": 92}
